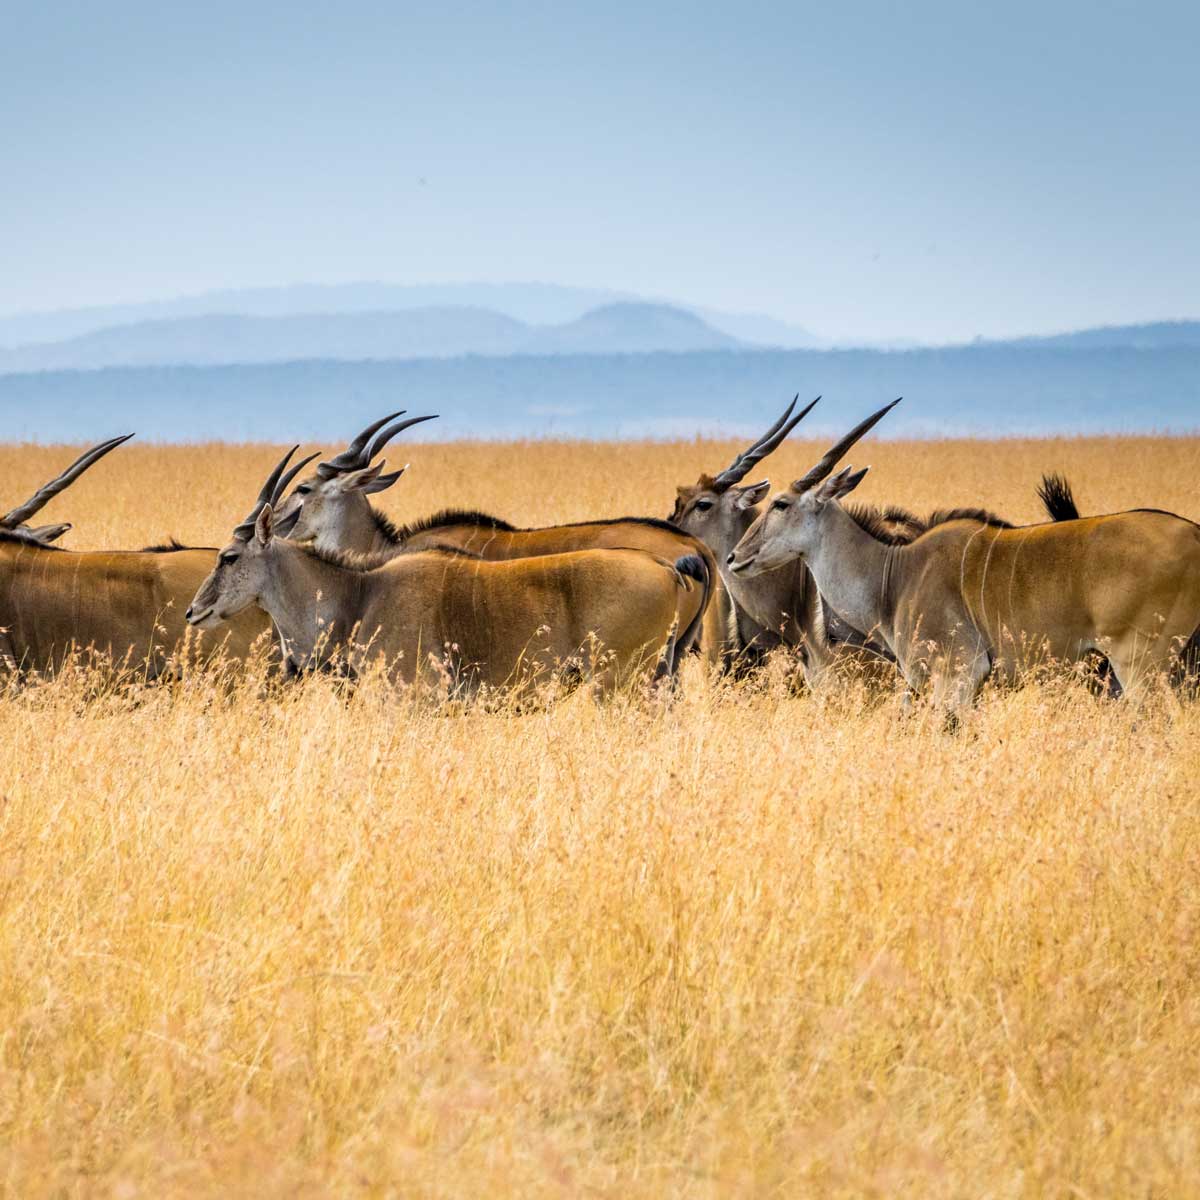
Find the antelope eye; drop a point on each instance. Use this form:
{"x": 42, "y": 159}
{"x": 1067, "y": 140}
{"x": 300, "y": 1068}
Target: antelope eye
{"x": 780, "y": 505}
{"x": 304, "y": 489}
{"x": 228, "y": 558}
{"x": 703, "y": 505}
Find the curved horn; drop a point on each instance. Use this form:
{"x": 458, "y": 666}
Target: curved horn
{"x": 270, "y": 491}
{"x": 390, "y": 432}
{"x": 748, "y": 459}
{"x": 353, "y": 458}
{"x": 282, "y": 485}
{"x": 835, "y": 453}
{"x": 46, "y": 493}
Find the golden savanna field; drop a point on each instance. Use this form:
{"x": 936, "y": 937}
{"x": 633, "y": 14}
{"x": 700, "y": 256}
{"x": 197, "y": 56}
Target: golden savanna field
{"x": 305, "y": 941}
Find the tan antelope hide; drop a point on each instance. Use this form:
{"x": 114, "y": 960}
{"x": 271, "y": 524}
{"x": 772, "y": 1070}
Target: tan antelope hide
{"x": 127, "y": 606}
{"x": 606, "y": 615}
{"x": 783, "y": 607}
{"x": 966, "y": 600}
{"x": 330, "y": 512}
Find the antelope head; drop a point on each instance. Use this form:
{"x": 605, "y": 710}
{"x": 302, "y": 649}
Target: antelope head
{"x": 793, "y": 524}
{"x": 243, "y": 567}
{"x": 329, "y": 508}
{"x": 43, "y": 535}
{"x": 717, "y": 509}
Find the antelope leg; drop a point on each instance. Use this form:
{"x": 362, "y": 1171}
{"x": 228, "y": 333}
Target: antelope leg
{"x": 8, "y": 658}
{"x": 957, "y": 683}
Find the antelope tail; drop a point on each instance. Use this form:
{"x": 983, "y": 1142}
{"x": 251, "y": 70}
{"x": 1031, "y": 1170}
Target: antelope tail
{"x": 693, "y": 566}
{"x": 1057, "y": 498}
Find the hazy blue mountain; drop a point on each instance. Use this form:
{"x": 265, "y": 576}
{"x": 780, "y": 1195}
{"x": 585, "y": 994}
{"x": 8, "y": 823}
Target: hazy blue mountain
{"x": 626, "y": 328}
{"x": 530, "y": 303}
{"x": 758, "y": 329}
{"x": 981, "y": 390}
{"x": 415, "y": 333}
{"x": 1152, "y": 336}
{"x": 223, "y": 339}
{"x": 535, "y": 303}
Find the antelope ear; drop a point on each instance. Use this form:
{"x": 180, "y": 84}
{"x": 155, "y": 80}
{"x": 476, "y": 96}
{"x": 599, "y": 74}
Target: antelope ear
{"x": 49, "y": 533}
{"x": 855, "y": 479}
{"x": 264, "y": 526}
{"x": 382, "y": 482}
{"x": 752, "y": 493}
{"x": 841, "y": 484}
{"x": 360, "y": 481}
{"x": 284, "y": 525}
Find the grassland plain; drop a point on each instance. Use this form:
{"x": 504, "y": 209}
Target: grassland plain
{"x": 299, "y": 942}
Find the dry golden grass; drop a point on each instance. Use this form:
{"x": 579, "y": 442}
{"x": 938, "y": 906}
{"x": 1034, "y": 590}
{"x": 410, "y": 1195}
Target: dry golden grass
{"x": 749, "y": 944}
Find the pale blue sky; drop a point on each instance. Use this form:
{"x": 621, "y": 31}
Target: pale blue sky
{"x": 866, "y": 170}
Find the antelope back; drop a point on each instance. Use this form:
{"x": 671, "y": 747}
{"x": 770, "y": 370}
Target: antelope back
{"x": 126, "y": 605}
{"x": 611, "y": 613}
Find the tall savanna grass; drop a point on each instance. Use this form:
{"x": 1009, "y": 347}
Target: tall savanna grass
{"x": 306, "y": 940}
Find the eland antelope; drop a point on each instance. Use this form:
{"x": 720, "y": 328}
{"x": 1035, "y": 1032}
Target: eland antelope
{"x": 718, "y": 510}
{"x": 447, "y": 612}
{"x": 966, "y": 600}
{"x": 126, "y": 605}
{"x": 783, "y": 607}
{"x": 329, "y": 512}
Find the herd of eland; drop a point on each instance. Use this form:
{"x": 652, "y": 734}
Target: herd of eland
{"x": 941, "y": 603}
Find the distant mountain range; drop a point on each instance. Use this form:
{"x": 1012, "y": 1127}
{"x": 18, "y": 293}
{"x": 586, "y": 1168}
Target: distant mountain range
{"x": 224, "y": 339}
{"x": 259, "y": 328}
{"x": 984, "y": 390}
{"x": 535, "y": 304}
{"x": 516, "y": 360}
{"x": 1156, "y": 335}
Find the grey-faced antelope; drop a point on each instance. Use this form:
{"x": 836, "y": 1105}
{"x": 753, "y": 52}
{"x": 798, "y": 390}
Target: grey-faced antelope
{"x": 718, "y": 509}
{"x": 781, "y": 607}
{"x": 608, "y": 613}
{"x": 330, "y": 512}
{"x": 127, "y": 606}
{"x": 966, "y": 600}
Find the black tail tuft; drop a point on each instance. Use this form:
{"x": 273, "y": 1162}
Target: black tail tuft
{"x": 689, "y": 566}
{"x": 1055, "y": 493}
{"x": 694, "y": 567}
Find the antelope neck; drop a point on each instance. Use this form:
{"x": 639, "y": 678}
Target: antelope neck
{"x": 851, "y": 570}
{"x": 308, "y": 597}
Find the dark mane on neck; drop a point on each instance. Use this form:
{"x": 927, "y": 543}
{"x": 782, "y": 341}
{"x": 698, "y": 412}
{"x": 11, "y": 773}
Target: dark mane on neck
{"x": 386, "y": 527}
{"x": 344, "y": 560}
{"x": 397, "y": 534}
{"x": 982, "y": 515}
{"x": 167, "y": 547}
{"x": 894, "y": 526}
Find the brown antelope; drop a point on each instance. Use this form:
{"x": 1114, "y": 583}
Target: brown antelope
{"x": 127, "y": 606}
{"x": 718, "y": 510}
{"x": 783, "y": 607}
{"x": 329, "y": 511}
{"x": 966, "y": 600}
{"x": 13, "y": 523}
{"x": 1058, "y": 498}
{"x": 434, "y": 613}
